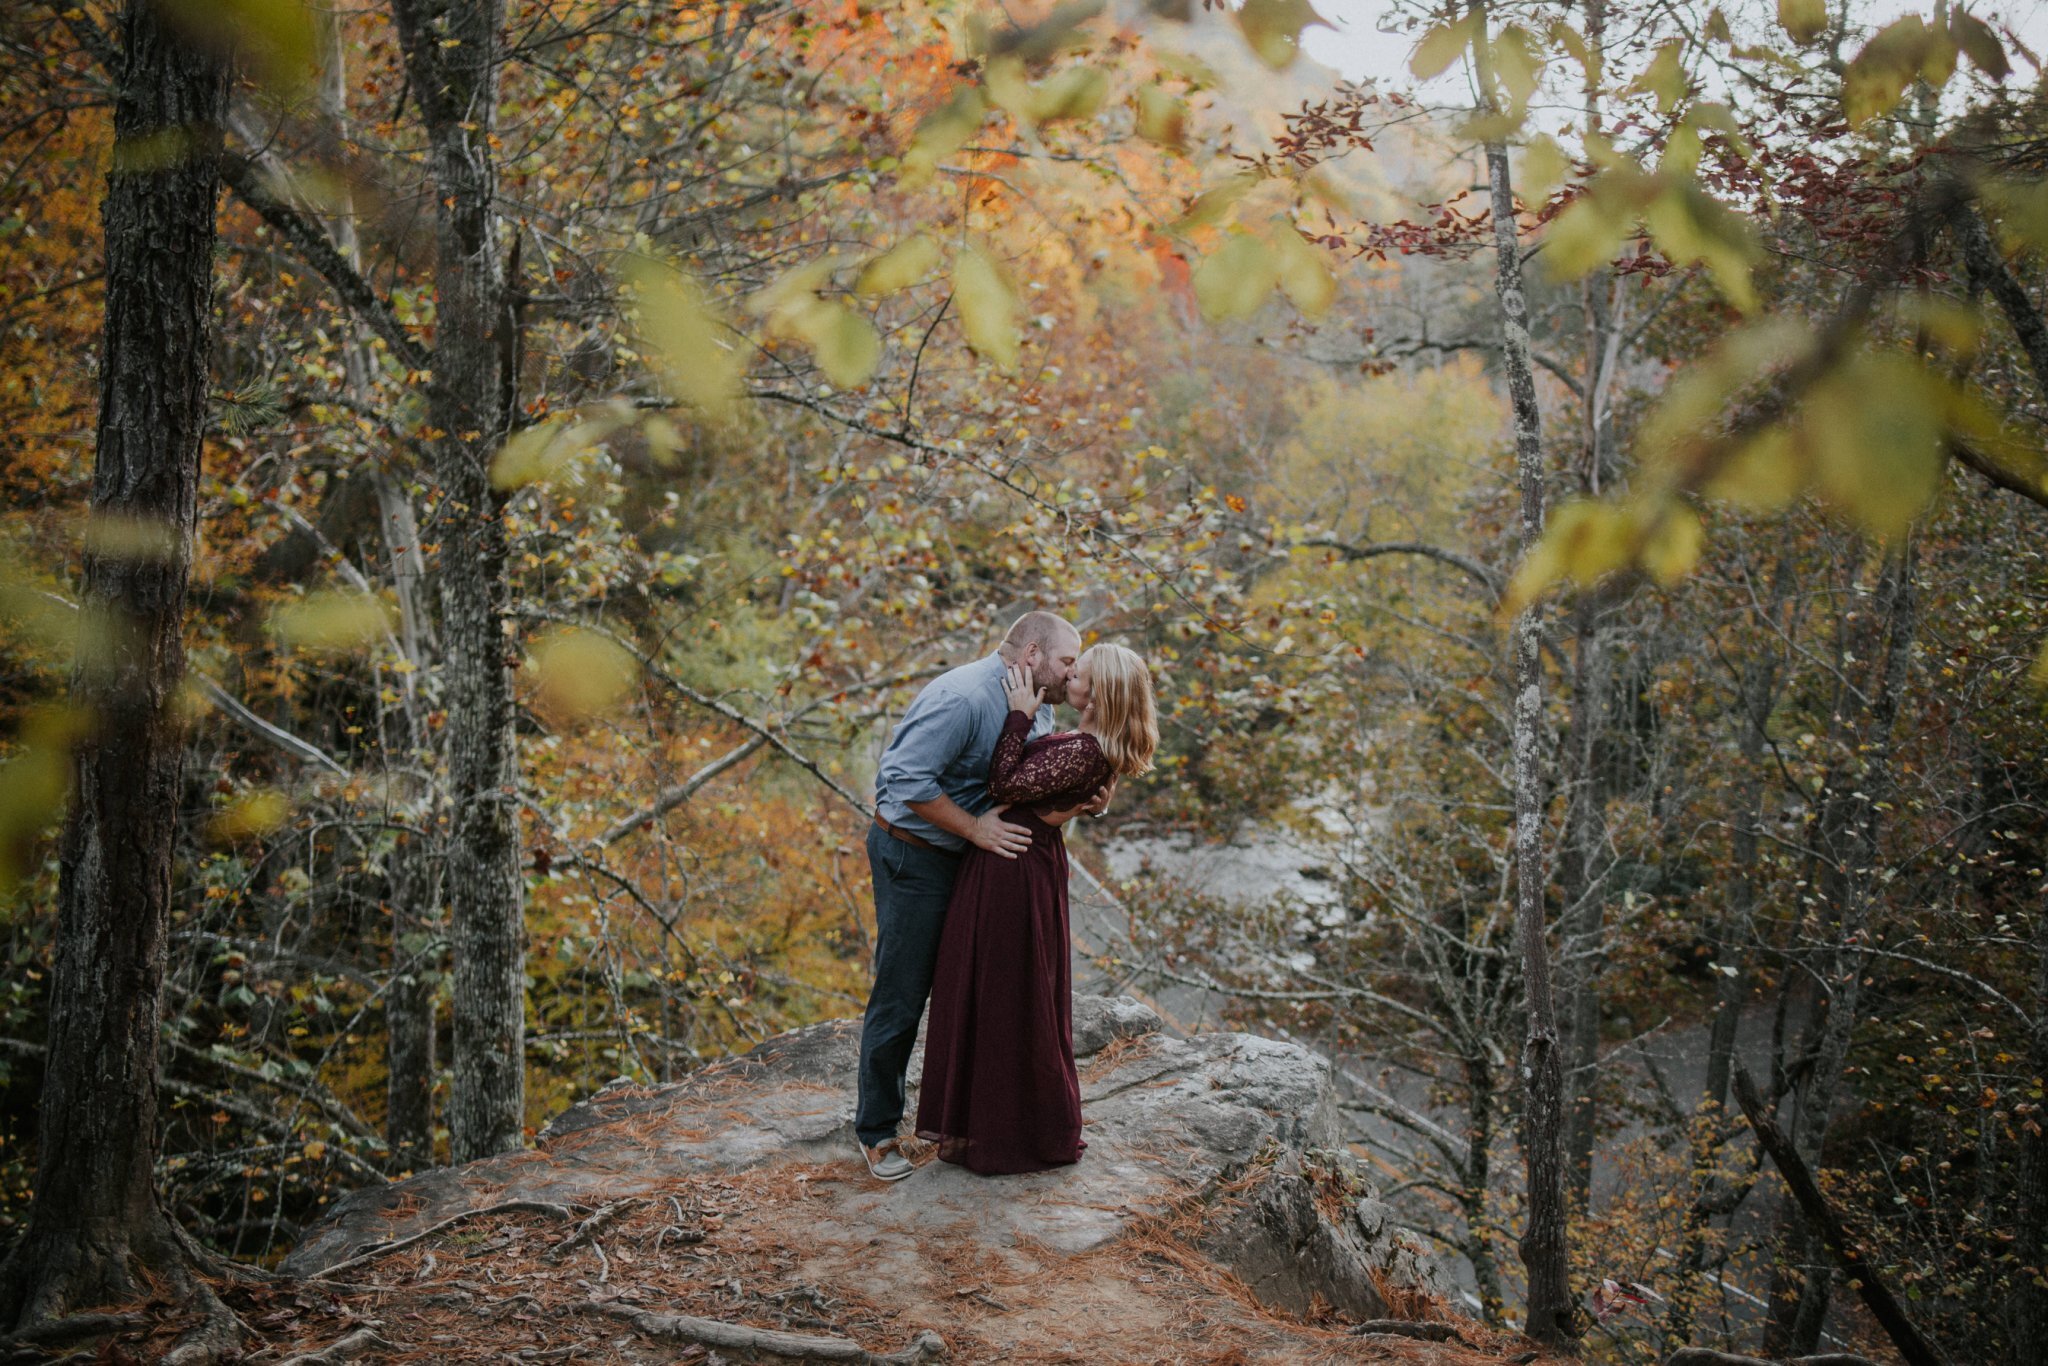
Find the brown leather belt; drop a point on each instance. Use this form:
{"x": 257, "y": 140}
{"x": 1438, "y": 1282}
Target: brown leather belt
{"x": 917, "y": 840}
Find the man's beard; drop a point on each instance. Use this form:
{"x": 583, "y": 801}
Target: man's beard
{"x": 1055, "y": 686}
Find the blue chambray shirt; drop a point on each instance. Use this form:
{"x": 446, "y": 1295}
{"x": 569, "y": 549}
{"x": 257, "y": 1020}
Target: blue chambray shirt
{"x": 943, "y": 745}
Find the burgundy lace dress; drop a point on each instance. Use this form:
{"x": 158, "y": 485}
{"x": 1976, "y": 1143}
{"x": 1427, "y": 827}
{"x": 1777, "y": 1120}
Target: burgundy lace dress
{"x": 999, "y": 1092}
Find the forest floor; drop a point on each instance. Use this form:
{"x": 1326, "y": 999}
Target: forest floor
{"x": 759, "y": 1248}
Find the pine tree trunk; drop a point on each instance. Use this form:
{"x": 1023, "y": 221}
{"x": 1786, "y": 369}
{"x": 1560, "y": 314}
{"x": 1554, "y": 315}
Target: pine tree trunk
{"x": 96, "y": 1233}
{"x": 1552, "y": 1318}
{"x": 452, "y": 55}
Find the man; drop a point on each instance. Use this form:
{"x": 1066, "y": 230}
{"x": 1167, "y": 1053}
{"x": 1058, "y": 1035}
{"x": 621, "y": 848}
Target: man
{"x": 931, "y": 802}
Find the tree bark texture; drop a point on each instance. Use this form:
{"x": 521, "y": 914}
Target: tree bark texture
{"x": 452, "y": 56}
{"x": 1552, "y": 1317}
{"x": 96, "y": 1233}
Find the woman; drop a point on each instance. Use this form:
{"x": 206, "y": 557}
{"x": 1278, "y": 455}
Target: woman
{"x": 1000, "y": 1093}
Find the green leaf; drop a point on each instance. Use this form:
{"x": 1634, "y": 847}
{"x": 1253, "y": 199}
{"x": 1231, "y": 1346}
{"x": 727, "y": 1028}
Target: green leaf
{"x": 988, "y": 307}
{"x": 1671, "y": 545}
{"x": 900, "y": 267}
{"x": 1234, "y": 280}
{"x": 276, "y": 40}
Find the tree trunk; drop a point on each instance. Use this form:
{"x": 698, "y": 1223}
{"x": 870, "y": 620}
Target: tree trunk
{"x": 1580, "y": 879}
{"x": 1797, "y": 1319}
{"x": 96, "y": 1233}
{"x": 452, "y": 55}
{"x": 1552, "y": 1318}
{"x": 2030, "y": 1317}
{"x": 412, "y": 867}
{"x": 1478, "y": 1180}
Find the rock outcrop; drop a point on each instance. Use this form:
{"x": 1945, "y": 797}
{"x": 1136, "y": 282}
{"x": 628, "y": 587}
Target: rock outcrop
{"x": 1228, "y": 1142}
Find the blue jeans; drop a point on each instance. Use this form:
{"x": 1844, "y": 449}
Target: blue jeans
{"x": 912, "y": 887}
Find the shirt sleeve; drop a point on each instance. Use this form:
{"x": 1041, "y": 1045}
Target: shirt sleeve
{"x": 932, "y": 734}
{"x": 1058, "y": 766}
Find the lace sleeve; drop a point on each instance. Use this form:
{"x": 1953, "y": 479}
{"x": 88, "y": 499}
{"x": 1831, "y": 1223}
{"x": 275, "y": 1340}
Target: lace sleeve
{"x": 1068, "y": 765}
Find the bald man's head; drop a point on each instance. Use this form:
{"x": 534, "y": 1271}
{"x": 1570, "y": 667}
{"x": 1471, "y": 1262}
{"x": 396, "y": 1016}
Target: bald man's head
{"x": 1049, "y": 646}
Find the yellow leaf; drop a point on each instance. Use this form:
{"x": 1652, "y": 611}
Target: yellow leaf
{"x": 1517, "y": 63}
{"x": 580, "y": 672}
{"x": 2022, "y": 207}
{"x": 1880, "y": 73}
{"x": 1303, "y": 273}
{"x": 1273, "y": 28}
{"x": 116, "y": 536}
{"x": 1569, "y": 38}
{"x": 1664, "y": 77}
{"x": 1874, "y": 430}
{"x": 315, "y": 1150}
{"x": 988, "y": 307}
{"x": 1440, "y": 47}
{"x": 1234, "y": 280}
{"x": 1075, "y": 93}
{"x": 1691, "y": 226}
{"x": 942, "y": 133}
{"x": 1804, "y": 20}
{"x": 277, "y": 40}
{"x": 1544, "y": 166}
{"x": 847, "y": 345}
{"x": 1586, "y": 235}
{"x": 1213, "y": 204}
{"x": 1162, "y": 118}
{"x": 545, "y": 449}
{"x": 1764, "y": 473}
{"x": 332, "y": 620}
{"x": 255, "y": 814}
{"x": 901, "y": 266}
{"x": 1671, "y": 546}
{"x": 694, "y": 351}
{"x": 34, "y": 784}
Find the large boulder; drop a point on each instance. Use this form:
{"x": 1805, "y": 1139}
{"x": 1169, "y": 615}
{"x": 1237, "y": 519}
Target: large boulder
{"x": 1230, "y": 1132}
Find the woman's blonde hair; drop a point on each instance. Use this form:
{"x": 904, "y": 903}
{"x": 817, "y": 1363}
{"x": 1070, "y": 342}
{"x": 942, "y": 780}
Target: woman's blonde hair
{"x": 1126, "y": 721}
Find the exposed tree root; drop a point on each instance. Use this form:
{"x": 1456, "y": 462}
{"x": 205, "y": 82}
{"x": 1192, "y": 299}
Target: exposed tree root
{"x": 1407, "y": 1328}
{"x": 1703, "y": 1356}
{"x": 347, "y": 1349}
{"x": 737, "y": 1337}
{"x": 596, "y": 1224}
{"x": 507, "y": 1207}
{"x": 76, "y": 1328}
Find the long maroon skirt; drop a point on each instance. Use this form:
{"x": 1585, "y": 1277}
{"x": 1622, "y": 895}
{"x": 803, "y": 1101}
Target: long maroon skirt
{"x": 1000, "y": 1093}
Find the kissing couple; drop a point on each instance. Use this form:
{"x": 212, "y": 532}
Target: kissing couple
{"x": 969, "y": 861}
